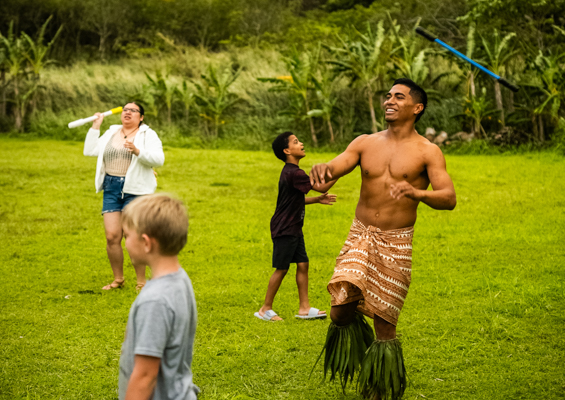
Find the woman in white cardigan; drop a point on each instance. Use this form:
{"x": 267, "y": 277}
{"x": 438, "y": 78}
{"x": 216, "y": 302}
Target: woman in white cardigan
{"x": 126, "y": 155}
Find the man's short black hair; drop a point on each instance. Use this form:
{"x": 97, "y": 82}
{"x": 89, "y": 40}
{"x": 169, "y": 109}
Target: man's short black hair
{"x": 418, "y": 94}
{"x": 281, "y": 143}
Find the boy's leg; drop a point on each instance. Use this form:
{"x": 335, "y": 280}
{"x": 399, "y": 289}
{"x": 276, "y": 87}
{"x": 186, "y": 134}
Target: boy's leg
{"x": 272, "y": 289}
{"x": 302, "y": 283}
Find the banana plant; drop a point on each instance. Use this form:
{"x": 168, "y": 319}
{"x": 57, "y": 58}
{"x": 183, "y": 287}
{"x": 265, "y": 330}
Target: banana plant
{"x": 186, "y": 96}
{"x": 213, "y": 97}
{"x": 37, "y": 56}
{"x": 299, "y": 85}
{"x": 497, "y": 57}
{"x": 3, "y": 83}
{"x": 408, "y": 56}
{"x": 365, "y": 62}
{"x": 163, "y": 90}
{"x": 15, "y": 58}
{"x": 470, "y": 74}
{"x": 476, "y": 110}
{"x": 325, "y": 87}
{"x": 550, "y": 85}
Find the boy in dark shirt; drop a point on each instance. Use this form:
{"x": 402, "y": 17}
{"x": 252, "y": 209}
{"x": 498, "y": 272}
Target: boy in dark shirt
{"x": 286, "y": 227}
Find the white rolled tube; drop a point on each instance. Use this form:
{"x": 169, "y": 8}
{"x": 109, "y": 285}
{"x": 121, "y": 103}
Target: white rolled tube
{"x": 80, "y": 122}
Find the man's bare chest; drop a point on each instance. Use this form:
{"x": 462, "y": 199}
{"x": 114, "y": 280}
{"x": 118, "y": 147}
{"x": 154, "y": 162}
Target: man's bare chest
{"x": 402, "y": 164}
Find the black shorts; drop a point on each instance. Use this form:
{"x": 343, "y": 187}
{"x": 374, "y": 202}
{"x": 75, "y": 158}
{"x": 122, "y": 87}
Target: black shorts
{"x": 288, "y": 249}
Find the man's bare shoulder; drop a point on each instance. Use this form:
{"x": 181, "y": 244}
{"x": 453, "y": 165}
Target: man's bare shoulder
{"x": 362, "y": 141}
{"x": 357, "y": 144}
{"x": 431, "y": 151}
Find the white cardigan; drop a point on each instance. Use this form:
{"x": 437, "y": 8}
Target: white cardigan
{"x": 139, "y": 176}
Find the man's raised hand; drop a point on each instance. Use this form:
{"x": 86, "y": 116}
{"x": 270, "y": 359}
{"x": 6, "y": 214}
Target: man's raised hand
{"x": 318, "y": 174}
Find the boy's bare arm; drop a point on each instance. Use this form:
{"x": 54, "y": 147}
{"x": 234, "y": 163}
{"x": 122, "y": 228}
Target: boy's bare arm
{"x": 143, "y": 378}
{"x": 324, "y": 198}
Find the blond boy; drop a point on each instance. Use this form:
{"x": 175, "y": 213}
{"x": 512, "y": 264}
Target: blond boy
{"x": 157, "y": 351}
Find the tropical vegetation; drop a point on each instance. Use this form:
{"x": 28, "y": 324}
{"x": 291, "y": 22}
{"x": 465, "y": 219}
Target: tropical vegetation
{"x": 212, "y": 72}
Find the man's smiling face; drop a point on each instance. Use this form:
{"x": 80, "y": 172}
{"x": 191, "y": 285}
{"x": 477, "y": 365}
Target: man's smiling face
{"x": 400, "y": 105}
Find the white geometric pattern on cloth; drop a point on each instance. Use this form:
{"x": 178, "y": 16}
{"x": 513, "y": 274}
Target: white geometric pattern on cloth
{"x": 374, "y": 267}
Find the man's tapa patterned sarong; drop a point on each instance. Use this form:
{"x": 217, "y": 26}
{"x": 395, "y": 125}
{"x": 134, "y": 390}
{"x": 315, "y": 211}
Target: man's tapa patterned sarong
{"x": 374, "y": 267}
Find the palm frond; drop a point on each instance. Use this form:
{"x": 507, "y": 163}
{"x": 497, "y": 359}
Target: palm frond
{"x": 383, "y": 374}
{"x": 344, "y": 349}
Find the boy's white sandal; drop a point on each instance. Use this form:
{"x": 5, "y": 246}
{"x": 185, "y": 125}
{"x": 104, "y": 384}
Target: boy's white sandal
{"x": 312, "y": 314}
{"x": 268, "y": 316}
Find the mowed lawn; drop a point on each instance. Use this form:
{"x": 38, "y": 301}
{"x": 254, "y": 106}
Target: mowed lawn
{"x": 484, "y": 318}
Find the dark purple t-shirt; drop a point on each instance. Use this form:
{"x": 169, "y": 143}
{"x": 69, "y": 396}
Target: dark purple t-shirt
{"x": 289, "y": 214}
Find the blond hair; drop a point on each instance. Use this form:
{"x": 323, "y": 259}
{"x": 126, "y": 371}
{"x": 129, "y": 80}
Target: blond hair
{"x": 161, "y": 217}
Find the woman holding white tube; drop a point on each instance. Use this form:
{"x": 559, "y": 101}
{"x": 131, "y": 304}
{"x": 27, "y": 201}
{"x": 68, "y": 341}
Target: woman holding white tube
{"x": 126, "y": 155}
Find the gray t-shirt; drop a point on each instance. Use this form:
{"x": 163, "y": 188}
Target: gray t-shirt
{"x": 162, "y": 323}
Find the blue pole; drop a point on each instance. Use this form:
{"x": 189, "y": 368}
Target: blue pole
{"x": 432, "y": 38}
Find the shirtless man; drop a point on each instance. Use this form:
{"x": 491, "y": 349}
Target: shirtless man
{"x": 373, "y": 270}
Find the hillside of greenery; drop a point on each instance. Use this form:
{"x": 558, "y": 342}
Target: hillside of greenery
{"x": 234, "y": 73}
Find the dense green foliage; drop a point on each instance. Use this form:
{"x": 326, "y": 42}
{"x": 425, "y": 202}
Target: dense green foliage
{"x": 483, "y": 320}
{"x": 324, "y": 64}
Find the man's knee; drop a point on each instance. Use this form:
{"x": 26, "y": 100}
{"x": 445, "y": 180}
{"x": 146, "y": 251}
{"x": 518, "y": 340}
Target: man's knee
{"x": 343, "y": 314}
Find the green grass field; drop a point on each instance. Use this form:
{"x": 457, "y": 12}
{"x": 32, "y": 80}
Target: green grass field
{"x": 484, "y": 318}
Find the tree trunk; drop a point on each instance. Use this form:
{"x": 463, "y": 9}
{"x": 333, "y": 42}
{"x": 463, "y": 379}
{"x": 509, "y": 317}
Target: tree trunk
{"x": 3, "y": 101}
{"x": 511, "y": 108}
{"x": 101, "y": 47}
{"x": 331, "y": 129}
{"x": 371, "y": 108}
{"x": 535, "y": 127}
{"x": 498, "y": 97}
{"x": 541, "y": 134}
{"x": 477, "y": 128}
{"x": 312, "y": 130}
{"x": 472, "y": 84}
{"x": 17, "y": 110}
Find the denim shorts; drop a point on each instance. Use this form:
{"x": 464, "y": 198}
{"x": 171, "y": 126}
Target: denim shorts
{"x": 114, "y": 197}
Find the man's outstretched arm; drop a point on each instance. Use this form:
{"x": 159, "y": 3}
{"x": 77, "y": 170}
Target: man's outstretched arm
{"x": 323, "y": 188}
{"x": 338, "y": 167}
{"x": 442, "y": 197}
